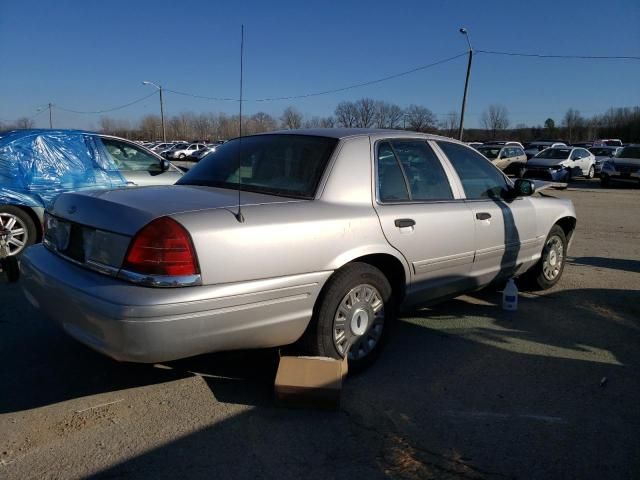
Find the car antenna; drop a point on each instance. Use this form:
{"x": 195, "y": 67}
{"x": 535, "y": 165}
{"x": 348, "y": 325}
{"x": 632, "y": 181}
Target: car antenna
{"x": 239, "y": 215}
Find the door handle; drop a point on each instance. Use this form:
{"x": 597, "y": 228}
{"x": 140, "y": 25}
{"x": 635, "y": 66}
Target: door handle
{"x": 483, "y": 216}
{"x": 131, "y": 183}
{"x": 404, "y": 222}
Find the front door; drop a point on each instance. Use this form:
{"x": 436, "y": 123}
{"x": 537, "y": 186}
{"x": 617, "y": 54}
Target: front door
{"x": 137, "y": 166}
{"x": 505, "y": 231}
{"x": 423, "y": 219}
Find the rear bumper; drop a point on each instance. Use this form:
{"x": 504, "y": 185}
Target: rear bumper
{"x": 140, "y": 324}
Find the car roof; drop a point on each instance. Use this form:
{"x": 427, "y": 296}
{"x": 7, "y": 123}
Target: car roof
{"x": 340, "y": 133}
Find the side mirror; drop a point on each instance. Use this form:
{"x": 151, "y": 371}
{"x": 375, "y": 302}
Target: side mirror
{"x": 524, "y": 187}
{"x": 164, "y": 165}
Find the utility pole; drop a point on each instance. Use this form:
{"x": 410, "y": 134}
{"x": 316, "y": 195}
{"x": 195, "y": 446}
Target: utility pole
{"x": 159, "y": 87}
{"x": 466, "y": 83}
{"x": 50, "y": 118}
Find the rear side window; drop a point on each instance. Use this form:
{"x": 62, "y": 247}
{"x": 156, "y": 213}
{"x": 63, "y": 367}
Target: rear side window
{"x": 480, "y": 179}
{"x": 410, "y": 170}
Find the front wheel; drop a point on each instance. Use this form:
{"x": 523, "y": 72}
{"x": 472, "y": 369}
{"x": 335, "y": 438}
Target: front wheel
{"x": 181, "y": 156}
{"x": 592, "y": 172}
{"x": 604, "y": 181}
{"x": 547, "y": 272}
{"x": 352, "y": 316}
{"x": 20, "y": 227}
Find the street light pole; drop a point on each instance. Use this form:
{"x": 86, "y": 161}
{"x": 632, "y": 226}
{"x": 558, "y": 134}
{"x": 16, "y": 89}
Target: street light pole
{"x": 159, "y": 87}
{"x": 50, "y": 118}
{"x": 466, "y": 83}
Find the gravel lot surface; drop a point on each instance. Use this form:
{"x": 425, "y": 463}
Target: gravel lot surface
{"x": 464, "y": 389}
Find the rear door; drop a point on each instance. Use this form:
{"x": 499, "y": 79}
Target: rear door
{"x": 138, "y": 166}
{"x": 423, "y": 217}
{"x": 505, "y": 232}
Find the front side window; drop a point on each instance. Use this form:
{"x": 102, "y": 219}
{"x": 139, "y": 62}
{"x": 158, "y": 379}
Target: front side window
{"x": 289, "y": 165}
{"x": 410, "y": 170}
{"x": 130, "y": 158}
{"x": 480, "y": 179}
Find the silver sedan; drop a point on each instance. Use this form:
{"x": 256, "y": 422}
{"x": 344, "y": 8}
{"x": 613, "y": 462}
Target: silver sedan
{"x": 312, "y": 237}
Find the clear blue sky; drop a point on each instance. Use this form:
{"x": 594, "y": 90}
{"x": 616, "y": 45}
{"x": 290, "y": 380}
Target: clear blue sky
{"x": 90, "y": 55}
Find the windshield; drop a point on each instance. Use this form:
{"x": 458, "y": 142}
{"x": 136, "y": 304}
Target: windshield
{"x": 555, "y": 153}
{"x": 629, "y": 152}
{"x": 289, "y": 165}
{"x": 489, "y": 152}
{"x": 601, "y": 151}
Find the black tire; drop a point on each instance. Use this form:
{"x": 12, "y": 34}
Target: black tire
{"x": 592, "y": 172}
{"x": 29, "y": 225}
{"x": 605, "y": 181}
{"x": 318, "y": 339}
{"x": 181, "y": 156}
{"x": 536, "y": 278}
{"x": 12, "y": 269}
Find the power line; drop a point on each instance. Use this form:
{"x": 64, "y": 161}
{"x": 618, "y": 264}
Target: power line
{"x": 325, "y": 92}
{"x": 581, "y": 57}
{"x": 364, "y": 84}
{"x": 203, "y": 97}
{"x": 119, "y": 107}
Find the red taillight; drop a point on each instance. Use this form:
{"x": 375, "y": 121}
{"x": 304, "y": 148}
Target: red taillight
{"x": 163, "y": 247}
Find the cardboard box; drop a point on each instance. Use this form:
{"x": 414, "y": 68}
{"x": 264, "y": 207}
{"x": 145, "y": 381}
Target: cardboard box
{"x": 310, "y": 381}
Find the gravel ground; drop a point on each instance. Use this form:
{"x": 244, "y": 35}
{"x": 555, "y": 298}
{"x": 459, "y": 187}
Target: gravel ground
{"x": 464, "y": 389}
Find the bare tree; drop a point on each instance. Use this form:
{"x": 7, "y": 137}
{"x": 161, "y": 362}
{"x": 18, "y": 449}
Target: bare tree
{"x": 420, "y": 119}
{"x": 263, "y": 122}
{"x": 572, "y": 121}
{"x": 387, "y": 115}
{"x": 495, "y": 118}
{"x": 346, "y": 114}
{"x": 365, "y": 112}
{"x": 291, "y": 118}
{"x": 24, "y": 123}
{"x": 451, "y": 123}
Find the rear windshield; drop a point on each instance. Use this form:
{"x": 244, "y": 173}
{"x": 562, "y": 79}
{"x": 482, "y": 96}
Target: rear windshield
{"x": 289, "y": 165}
{"x": 602, "y": 151}
{"x": 555, "y": 153}
{"x": 490, "y": 152}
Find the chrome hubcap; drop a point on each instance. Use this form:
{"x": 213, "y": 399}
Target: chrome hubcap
{"x": 553, "y": 258}
{"x": 359, "y": 321}
{"x": 15, "y": 232}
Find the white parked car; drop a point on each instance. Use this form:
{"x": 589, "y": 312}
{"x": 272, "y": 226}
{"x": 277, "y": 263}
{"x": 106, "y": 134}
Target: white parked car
{"x": 561, "y": 164}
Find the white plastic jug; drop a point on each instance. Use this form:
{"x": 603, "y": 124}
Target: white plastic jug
{"x": 510, "y": 296}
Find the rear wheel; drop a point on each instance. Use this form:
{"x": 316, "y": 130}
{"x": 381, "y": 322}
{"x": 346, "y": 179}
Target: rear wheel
{"x": 547, "y": 272}
{"x": 605, "y": 181}
{"x": 22, "y": 230}
{"x": 352, "y": 316}
{"x": 592, "y": 172}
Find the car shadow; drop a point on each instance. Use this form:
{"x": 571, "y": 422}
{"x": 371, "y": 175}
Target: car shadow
{"x": 623, "y": 264}
{"x": 464, "y": 389}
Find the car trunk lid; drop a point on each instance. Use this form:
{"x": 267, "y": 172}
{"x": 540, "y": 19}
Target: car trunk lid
{"x": 125, "y": 211}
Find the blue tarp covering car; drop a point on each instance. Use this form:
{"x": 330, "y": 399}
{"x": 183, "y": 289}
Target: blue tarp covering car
{"x": 38, "y": 165}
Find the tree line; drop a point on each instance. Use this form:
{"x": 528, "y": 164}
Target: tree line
{"x": 623, "y": 122}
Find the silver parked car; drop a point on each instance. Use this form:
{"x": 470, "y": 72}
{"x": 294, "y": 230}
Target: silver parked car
{"x": 38, "y": 165}
{"x": 336, "y": 230}
{"x": 602, "y": 154}
{"x": 624, "y": 167}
